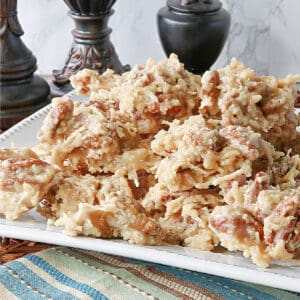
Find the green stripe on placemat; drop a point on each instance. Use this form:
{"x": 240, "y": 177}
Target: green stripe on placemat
{"x": 62, "y": 273}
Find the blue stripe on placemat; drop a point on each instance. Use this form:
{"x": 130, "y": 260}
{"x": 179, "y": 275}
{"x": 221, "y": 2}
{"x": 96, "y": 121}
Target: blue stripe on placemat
{"x": 37, "y": 282}
{"x": 63, "y": 279}
{"x": 227, "y": 288}
{"x": 16, "y": 286}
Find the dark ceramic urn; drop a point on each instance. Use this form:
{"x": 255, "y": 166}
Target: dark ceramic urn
{"x": 195, "y": 30}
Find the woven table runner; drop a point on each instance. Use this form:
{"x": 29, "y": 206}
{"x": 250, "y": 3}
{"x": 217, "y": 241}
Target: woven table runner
{"x": 64, "y": 273}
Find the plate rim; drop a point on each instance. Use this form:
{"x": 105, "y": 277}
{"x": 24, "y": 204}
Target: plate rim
{"x": 154, "y": 254}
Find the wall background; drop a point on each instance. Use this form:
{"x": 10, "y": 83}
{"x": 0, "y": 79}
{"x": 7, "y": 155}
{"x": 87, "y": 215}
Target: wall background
{"x": 264, "y": 34}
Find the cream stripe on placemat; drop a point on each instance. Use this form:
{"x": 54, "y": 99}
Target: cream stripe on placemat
{"x": 122, "y": 276}
{"x": 76, "y": 272}
{"x": 121, "y": 283}
{"x": 6, "y": 294}
{"x": 163, "y": 280}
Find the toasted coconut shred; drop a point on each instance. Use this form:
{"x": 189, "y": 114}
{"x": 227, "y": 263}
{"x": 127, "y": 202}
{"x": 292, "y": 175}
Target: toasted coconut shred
{"x": 160, "y": 155}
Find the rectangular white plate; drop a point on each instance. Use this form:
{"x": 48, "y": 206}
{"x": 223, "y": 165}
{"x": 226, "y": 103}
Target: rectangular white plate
{"x": 227, "y": 264}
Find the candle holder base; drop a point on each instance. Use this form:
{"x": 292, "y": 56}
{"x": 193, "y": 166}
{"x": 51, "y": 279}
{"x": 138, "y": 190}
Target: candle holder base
{"x": 59, "y": 90}
{"x": 21, "y": 98}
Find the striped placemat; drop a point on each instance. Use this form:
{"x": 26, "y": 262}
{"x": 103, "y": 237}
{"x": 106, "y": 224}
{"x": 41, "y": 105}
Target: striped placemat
{"x": 63, "y": 273}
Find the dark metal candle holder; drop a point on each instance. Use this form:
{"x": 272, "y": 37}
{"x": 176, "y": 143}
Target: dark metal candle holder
{"x": 196, "y": 30}
{"x": 21, "y": 92}
{"x": 91, "y": 47}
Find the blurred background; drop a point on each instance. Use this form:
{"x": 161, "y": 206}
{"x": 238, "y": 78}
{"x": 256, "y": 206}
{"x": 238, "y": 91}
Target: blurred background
{"x": 264, "y": 34}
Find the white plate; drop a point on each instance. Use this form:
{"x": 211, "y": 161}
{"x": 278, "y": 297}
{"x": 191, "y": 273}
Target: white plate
{"x": 227, "y": 264}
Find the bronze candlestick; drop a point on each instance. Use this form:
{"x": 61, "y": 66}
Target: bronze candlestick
{"x": 91, "y": 47}
{"x": 21, "y": 92}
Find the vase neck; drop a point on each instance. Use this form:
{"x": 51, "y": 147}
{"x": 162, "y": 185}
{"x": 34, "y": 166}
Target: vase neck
{"x": 9, "y": 18}
{"x": 8, "y": 7}
{"x": 91, "y": 29}
{"x": 194, "y": 7}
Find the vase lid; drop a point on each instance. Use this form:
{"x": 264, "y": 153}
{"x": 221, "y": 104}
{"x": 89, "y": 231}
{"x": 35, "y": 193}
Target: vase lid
{"x": 194, "y": 6}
